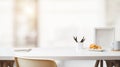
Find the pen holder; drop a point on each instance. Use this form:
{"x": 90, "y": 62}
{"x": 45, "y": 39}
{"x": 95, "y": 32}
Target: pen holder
{"x": 79, "y": 46}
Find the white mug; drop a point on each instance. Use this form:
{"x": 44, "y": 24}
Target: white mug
{"x": 116, "y": 45}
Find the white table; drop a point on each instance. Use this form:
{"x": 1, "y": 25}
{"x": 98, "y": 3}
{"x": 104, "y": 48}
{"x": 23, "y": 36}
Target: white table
{"x": 8, "y": 54}
{"x": 69, "y": 54}
{"x": 60, "y": 53}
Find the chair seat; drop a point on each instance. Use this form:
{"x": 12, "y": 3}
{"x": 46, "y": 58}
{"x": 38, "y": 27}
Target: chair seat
{"x": 28, "y": 62}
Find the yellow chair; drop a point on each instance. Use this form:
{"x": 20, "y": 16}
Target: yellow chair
{"x": 27, "y": 62}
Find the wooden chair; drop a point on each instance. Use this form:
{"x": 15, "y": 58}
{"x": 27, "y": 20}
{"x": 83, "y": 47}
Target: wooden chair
{"x": 27, "y": 62}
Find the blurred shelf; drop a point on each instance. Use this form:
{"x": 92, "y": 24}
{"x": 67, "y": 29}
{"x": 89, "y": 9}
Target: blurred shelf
{"x": 104, "y": 36}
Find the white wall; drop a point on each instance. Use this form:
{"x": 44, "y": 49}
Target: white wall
{"x": 117, "y": 29}
{"x": 60, "y": 20}
{"x": 6, "y": 23}
{"x": 113, "y": 16}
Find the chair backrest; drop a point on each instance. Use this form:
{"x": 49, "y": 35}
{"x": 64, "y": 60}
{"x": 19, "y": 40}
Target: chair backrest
{"x": 25, "y": 62}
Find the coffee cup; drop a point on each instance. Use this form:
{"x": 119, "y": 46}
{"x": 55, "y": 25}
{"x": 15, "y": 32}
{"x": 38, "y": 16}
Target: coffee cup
{"x": 116, "y": 45}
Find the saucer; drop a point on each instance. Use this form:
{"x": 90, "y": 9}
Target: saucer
{"x": 98, "y": 50}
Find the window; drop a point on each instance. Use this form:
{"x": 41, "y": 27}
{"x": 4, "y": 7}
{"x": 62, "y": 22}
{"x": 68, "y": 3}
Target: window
{"x": 25, "y": 23}
{"x": 18, "y": 23}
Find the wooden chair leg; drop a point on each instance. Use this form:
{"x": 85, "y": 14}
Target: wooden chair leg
{"x": 11, "y": 64}
{"x": 1, "y": 64}
{"x": 117, "y": 63}
{"x": 109, "y": 63}
{"x": 97, "y": 63}
{"x": 6, "y": 63}
{"x": 101, "y": 63}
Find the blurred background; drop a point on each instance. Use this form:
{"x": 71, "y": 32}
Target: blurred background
{"x": 49, "y": 23}
{"x": 53, "y": 23}
{"x": 18, "y": 22}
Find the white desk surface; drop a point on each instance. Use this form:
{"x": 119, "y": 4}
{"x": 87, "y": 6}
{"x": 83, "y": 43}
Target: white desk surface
{"x": 60, "y": 54}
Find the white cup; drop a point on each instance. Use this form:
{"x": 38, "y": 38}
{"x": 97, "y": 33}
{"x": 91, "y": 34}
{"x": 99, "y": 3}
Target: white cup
{"x": 79, "y": 46}
{"x": 116, "y": 45}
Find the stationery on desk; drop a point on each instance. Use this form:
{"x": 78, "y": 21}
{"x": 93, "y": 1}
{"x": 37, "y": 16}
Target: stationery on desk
{"x": 22, "y": 49}
{"x": 80, "y": 43}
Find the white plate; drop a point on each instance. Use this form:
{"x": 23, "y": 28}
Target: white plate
{"x": 98, "y": 50}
